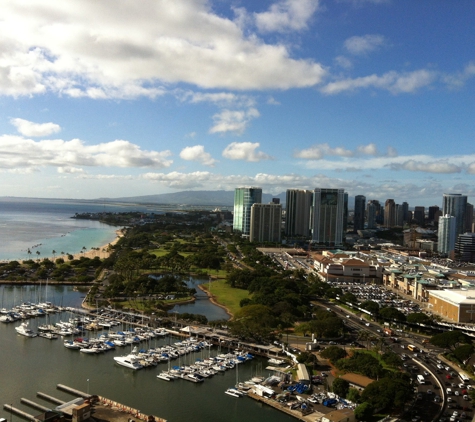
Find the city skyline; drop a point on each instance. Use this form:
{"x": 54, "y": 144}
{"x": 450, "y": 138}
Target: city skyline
{"x": 122, "y": 99}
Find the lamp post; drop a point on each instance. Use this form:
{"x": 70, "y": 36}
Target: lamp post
{"x": 88, "y": 386}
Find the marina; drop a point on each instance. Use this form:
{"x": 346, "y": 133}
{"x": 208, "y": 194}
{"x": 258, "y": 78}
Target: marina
{"x": 31, "y": 363}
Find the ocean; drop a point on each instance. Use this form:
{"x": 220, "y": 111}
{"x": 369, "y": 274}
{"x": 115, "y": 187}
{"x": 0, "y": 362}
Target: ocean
{"x": 44, "y": 225}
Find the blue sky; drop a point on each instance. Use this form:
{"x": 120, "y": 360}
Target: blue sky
{"x": 123, "y": 98}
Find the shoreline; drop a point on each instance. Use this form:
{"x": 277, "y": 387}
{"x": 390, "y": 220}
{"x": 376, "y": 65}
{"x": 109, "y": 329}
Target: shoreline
{"x": 102, "y": 252}
{"x": 214, "y": 302}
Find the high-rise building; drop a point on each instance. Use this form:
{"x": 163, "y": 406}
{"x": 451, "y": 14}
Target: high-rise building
{"x": 371, "y": 215}
{"x": 389, "y": 213}
{"x": 266, "y": 223}
{"x": 454, "y": 204}
{"x": 447, "y": 234}
{"x": 360, "y": 206}
{"x": 465, "y": 247}
{"x": 468, "y": 218}
{"x": 405, "y": 213}
{"x": 432, "y": 210}
{"x": 328, "y": 212}
{"x": 297, "y": 214}
{"x": 399, "y": 215}
{"x": 419, "y": 215}
{"x": 244, "y": 198}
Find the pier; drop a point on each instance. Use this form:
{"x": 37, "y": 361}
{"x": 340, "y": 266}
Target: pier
{"x": 102, "y": 408}
{"x": 50, "y": 398}
{"x": 35, "y": 405}
{"x": 19, "y": 412}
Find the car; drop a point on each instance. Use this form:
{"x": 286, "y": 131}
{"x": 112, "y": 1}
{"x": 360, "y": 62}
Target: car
{"x": 455, "y": 413}
{"x": 450, "y": 399}
{"x": 465, "y": 397}
{"x": 425, "y": 373}
{"x": 448, "y": 376}
{"x": 447, "y": 368}
{"x": 429, "y": 392}
{"x": 419, "y": 396}
{"x": 457, "y": 392}
{"x": 461, "y": 385}
{"x": 367, "y": 324}
{"x": 449, "y": 391}
{"x": 437, "y": 399}
{"x": 439, "y": 366}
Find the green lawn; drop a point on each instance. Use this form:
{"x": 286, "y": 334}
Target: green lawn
{"x": 226, "y": 295}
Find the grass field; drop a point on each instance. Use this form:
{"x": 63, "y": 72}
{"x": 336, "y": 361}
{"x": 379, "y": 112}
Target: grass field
{"x": 226, "y": 295}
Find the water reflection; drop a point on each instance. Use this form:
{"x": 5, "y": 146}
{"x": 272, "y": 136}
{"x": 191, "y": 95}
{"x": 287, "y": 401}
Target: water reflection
{"x": 202, "y": 305}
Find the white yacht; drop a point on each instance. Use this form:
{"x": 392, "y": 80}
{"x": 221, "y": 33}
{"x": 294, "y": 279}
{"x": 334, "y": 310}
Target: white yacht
{"x": 232, "y": 392}
{"x": 24, "y": 330}
{"x": 129, "y": 361}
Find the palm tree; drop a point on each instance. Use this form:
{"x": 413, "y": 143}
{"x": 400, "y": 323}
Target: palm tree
{"x": 38, "y": 253}
{"x": 54, "y": 254}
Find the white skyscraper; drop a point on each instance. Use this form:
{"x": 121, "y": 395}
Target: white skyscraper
{"x": 447, "y": 234}
{"x": 455, "y": 204}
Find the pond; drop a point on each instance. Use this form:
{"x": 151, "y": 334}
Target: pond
{"x": 202, "y": 305}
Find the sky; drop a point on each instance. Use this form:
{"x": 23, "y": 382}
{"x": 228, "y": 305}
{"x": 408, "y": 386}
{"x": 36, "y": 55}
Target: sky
{"x": 121, "y": 98}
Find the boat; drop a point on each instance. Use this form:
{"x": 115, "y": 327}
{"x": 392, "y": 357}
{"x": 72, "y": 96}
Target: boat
{"x": 24, "y": 330}
{"x": 232, "y": 392}
{"x": 165, "y": 376}
{"x": 49, "y": 335}
{"x": 129, "y": 361}
{"x": 193, "y": 377}
{"x": 274, "y": 361}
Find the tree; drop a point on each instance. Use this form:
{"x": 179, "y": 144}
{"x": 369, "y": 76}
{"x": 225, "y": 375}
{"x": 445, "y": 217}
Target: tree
{"x": 370, "y": 306}
{"x": 333, "y": 353}
{"x": 462, "y": 353}
{"x": 341, "y": 387}
{"x": 418, "y": 318}
{"x": 392, "y": 314}
{"x": 449, "y": 339}
{"x": 364, "y": 411}
{"x": 354, "y": 395}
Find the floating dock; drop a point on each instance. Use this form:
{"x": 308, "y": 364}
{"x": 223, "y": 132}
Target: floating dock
{"x": 102, "y": 408}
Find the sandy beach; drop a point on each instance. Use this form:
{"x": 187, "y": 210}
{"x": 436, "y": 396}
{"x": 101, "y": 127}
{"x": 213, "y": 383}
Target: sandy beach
{"x": 102, "y": 252}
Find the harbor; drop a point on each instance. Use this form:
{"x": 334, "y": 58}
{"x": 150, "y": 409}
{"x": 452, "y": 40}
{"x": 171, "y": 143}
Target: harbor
{"x": 31, "y": 363}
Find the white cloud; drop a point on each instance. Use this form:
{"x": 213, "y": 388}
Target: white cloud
{"x": 360, "y": 45}
{"x": 80, "y": 49}
{"x": 28, "y": 128}
{"x": 344, "y": 62}
{"x": 458, "y": 79}
{"x": 221, "y": 99}
{"x": 286, "y": 15}
{"x": 317, "y": 152}
{"x": 471, "y": 168}
{"x": 394, "y": 82}
{"x": 18, "y": 152}
{"x": 178, "y": 180}
{"x": 439, "y": 167}
{"x": 245, "y": 151}
{"x": 369, "y": 149}
{"x": 235, "y": 121}
{"x": 70, "y": 170}
{"x": 197, "y": 153}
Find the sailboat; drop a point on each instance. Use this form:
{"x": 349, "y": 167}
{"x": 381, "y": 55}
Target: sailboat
{"x": 234, "y": 391}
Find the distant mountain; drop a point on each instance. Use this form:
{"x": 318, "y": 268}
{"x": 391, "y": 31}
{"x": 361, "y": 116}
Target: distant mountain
{"x": 214, "y": 198}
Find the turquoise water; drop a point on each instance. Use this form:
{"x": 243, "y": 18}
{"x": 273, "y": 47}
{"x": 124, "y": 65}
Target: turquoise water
{"x": 46, "y": 225}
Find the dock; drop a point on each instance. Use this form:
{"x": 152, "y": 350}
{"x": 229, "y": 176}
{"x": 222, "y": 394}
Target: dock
{"x": 309, "y": 417}
{"x": 101, "y": 408}
{"x": 19, "y": 412}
